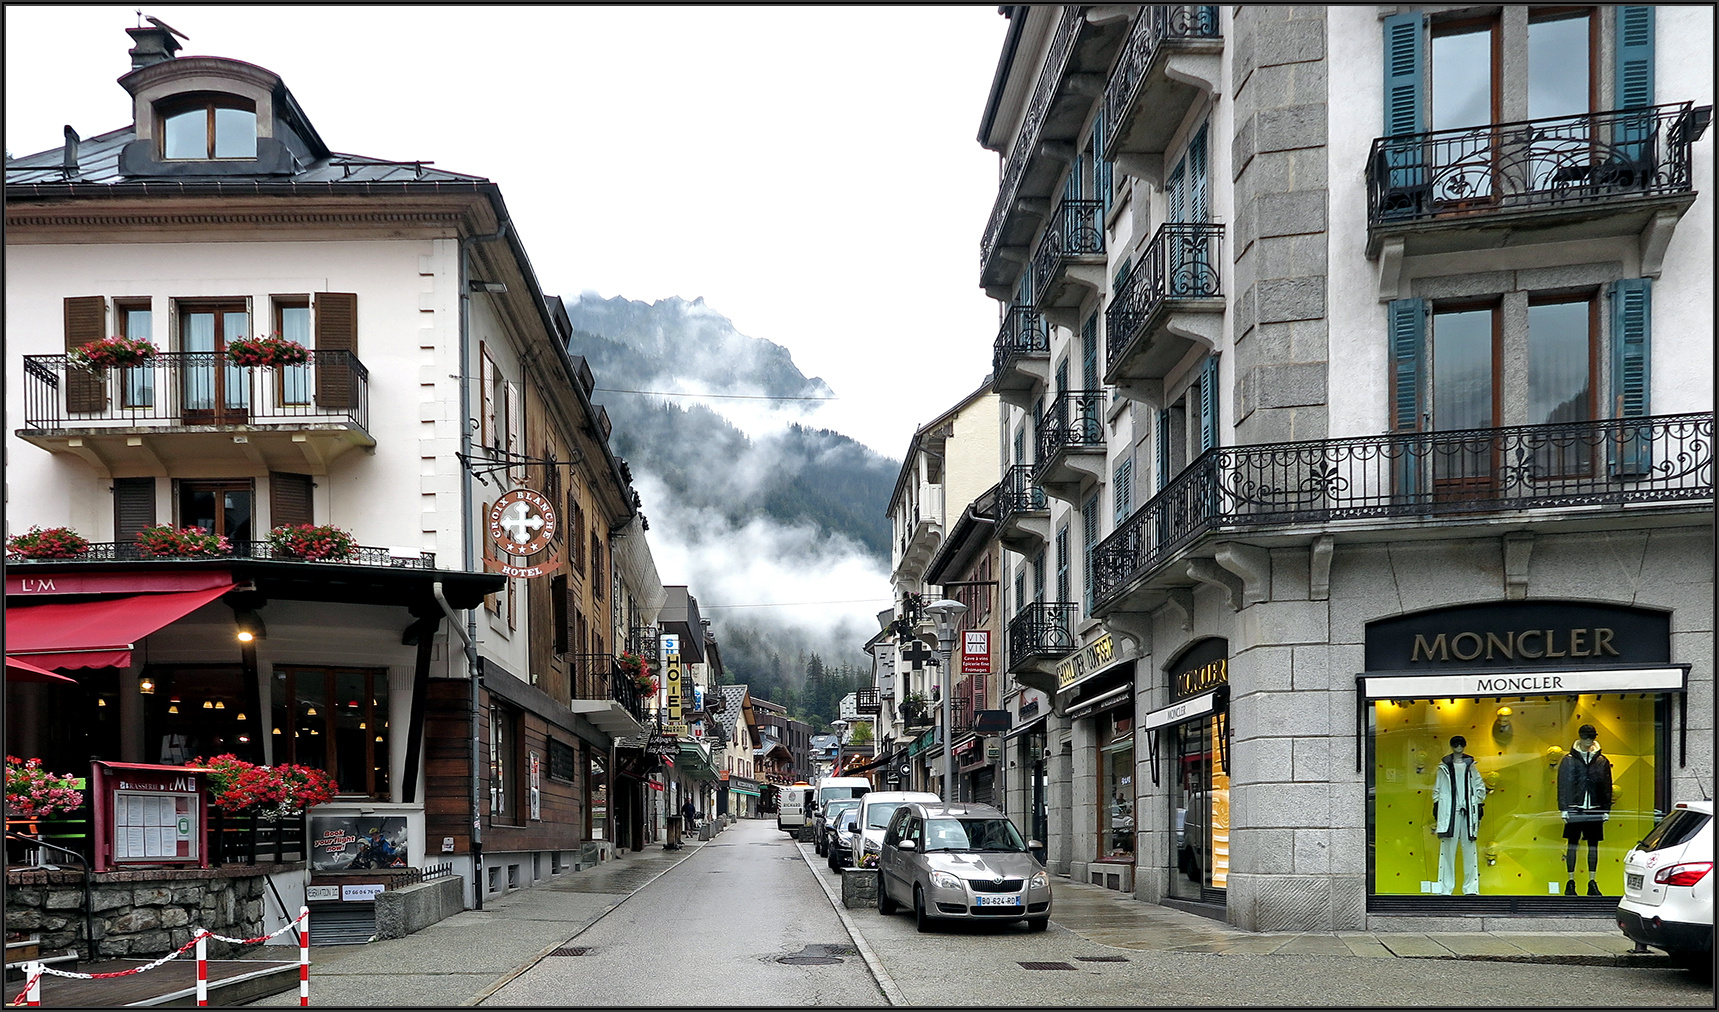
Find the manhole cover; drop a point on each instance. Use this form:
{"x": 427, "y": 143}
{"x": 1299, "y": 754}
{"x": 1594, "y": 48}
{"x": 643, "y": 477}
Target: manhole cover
{"x": 572, "y": 950}
{"x": 798, "y": 960}
{"x": 1102, "y": 959}
{"x": 819, "y": 954}
{"x": 1046, "y": 966}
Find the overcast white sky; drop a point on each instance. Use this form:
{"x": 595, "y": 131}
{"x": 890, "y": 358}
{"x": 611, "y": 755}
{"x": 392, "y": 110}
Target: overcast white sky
{"x": 811, "y": 172}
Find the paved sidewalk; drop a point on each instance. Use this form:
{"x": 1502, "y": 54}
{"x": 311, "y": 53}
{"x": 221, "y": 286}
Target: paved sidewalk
{"x": 1111, "y": 918}
{"x": 467, "y": 957}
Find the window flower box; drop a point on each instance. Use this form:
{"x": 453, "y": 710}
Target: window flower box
{"x": 270, "y": 792}
{"x": 312, "y": 542}
{"x": 163, "y": 541}
{"x": 272, "y": 350}
{"x": 111, "y": 352}
{"x": 53, "y": 543}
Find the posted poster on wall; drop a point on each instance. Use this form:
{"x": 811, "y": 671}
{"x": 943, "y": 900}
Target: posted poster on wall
{"x": 357, "y": 842}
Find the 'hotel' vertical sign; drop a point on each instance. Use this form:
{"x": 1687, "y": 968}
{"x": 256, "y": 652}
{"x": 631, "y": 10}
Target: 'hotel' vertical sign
{"x": 671, "y": 679}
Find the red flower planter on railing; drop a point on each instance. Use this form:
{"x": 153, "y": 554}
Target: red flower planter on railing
{"x": 272, "y": 350}
{"x": 110, "y": 353}
{"x": 163, "y": 541}
{"x": 312, "y": 542}
{"x": 53, "y": 543}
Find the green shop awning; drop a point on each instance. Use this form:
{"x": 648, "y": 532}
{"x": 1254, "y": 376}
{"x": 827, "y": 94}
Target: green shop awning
{"x": 696, "y": 762}
{"x": 734, "y": 788}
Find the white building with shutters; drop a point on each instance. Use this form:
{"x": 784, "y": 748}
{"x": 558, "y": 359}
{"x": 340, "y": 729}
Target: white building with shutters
{"x": 1358, "y": 377}
{"x": 219, "y": 214}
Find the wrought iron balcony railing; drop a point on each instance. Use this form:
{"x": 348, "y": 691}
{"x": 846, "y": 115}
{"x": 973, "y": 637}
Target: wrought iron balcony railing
{"x": 597, "y": 676}
{"x": 195, "y": 388}
{"x": 1571, "y": 465}
{"x": 1155, "y": 24}
{"x": 646, "y": 641}
{"x": 1074, "y": 419}
{"x": 1026, "y": 143}
{"x": 866, "y": 700}
{"x": 1042, "y": 630}
{"x": 1024, "y": 332}
{"x": 1075, "y": 229}
{"x": 1018, "y": 494}
{"x": 1541, "y": 163}
{"x": 256, "y": 551}
{"x": 1181, "y": 262}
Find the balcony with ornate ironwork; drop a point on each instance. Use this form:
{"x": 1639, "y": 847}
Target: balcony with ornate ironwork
{"x": 195, "y": 408}
{"x": 1624, "y": 172}
{"x": 1069, "y": 263}
{"x": 645, "y": 641}
{"x": 1613, "y": 473}
{"x": 1173, "y": 57}
{"x": 866, "y": 700}
{"x": 1020, "y": 363}
{"x": 1071, "y": 444}
{"x": 1171, "y": 302}
{"x": 1040, "y": 635}
{"x": 1023, "y": 512}
{"x": 1071, "y": 79}
{"x": 604, "y": 695}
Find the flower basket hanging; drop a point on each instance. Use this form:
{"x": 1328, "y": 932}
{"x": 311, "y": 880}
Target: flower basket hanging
{"x": 53, "y": 543}
{"x": 271, "y": 350}
{"x": 163, "y": 541}
{"x": 111, "y": 352}
{"x": 312, "y": 542}
{"x": 32, "y": 792}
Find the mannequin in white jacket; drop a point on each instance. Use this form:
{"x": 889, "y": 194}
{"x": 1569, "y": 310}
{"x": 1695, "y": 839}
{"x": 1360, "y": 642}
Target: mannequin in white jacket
{"x": 1458, "y": 793}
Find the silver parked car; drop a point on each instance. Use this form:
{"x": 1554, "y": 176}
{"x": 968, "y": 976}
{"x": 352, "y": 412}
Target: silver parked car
{"x": 963, "y": 861}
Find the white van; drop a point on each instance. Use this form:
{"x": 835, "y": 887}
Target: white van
{"x": 872, "y": 818}
{"x": 791, "y": 812}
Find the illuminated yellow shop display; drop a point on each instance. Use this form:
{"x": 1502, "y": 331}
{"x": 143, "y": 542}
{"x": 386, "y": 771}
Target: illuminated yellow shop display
{"x": 1518, "y": 746}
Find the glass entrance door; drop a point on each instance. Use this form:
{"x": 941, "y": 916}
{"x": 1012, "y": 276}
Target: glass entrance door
{"x": 1200, "y": 799}
{"x": 214, "y": 392}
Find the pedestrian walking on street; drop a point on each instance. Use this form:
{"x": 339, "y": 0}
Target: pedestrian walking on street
{"x": 689, "y": 816}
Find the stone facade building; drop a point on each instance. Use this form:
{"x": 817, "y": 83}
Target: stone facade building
{"x": 1357, "y": 371}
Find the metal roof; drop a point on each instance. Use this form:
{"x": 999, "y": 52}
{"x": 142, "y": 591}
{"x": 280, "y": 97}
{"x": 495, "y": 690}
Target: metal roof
{"x": 98, "y": 162}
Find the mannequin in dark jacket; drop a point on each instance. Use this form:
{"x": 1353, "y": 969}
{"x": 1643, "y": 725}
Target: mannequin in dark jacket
{"x": 1585, "y": 798}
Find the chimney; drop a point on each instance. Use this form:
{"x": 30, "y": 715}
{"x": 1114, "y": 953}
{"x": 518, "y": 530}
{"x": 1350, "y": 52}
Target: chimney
{"x": 69, "y": 158}
{"x": 152, "y": 45}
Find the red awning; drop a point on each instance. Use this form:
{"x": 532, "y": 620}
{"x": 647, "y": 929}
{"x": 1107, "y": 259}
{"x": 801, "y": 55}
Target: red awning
{"x": 96, "y": 634}
{"x": 18, "y": 671}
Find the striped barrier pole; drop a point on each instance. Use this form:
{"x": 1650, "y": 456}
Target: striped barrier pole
{"x": 304, "y": 956}
{"x": 33, "y": 990}
{"x": 202, "y": 968}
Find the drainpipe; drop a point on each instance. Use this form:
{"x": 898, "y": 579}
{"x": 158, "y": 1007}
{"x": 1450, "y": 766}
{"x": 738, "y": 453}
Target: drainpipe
{"x": 469, "y": 633}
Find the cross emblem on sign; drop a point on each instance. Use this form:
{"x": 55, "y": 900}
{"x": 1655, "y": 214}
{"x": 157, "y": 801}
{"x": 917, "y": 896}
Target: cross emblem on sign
{"x": 918, "y": 654}
{"x": 518, "y": 520}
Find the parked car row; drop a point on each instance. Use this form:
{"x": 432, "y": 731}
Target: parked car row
{"x": 956, "y": 862}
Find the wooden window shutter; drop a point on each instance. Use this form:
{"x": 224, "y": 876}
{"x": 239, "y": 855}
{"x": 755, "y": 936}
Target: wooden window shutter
{"x": 515, "y": 430}
{"x": 336, "y": 331}
{"x": 1634, "y": 82}
{"x": 133, "y": 507}
{"x": 1209, "y": 403}
{"x": 289, "y": 499}
{"x": 1631, "y": 333}
{"x": 86, "y": 322}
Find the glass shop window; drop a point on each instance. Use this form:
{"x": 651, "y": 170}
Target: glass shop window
{"x": 1551, "y": 810}
{"x": 335, "y": 720}
{"x": 1117, "y": 800}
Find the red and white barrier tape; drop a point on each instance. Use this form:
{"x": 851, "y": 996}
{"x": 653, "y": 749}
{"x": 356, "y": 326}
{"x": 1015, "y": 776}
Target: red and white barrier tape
{"x": 198, "y": 939}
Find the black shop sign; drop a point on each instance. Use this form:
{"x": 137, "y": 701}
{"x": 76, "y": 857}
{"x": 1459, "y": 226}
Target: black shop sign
{"x": 1541, "y": 633}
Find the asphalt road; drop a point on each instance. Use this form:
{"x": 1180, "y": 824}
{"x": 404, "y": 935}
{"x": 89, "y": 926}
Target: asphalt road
{"x": 713, "y": 931}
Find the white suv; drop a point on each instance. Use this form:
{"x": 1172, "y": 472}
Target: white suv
{"x": 1668, "y": 887}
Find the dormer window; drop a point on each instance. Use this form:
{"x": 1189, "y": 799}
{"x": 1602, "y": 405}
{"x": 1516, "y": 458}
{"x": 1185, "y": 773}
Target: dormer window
{"x": 201, "y": 127}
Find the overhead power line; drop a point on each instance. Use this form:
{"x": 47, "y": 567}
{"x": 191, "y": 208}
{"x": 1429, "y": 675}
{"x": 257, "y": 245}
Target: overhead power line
{"x": 792, "y": 604}
{"x": 730, "y": 397}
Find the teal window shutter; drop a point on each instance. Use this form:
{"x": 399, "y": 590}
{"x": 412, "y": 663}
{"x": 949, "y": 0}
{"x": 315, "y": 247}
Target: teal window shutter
{"x": 1631, "y": 326}
{"x": 1122, "y": 490}
{"x": 1039, "y": 576}
{"x": 1408, "y": 326}
{"x": 1175, "y": 190}
{"x": 1405, "y": 75}
{"x": 1071, "y": 188}
{"x": 1121, "y": 277}
{"x": 1088, "y": 539}
{"x": 1089, "y": 353}
{"x": 1103, "y": 172}
{"x": 1402, "y": 166}
{"x": 1633, "y": 85}
{"x": 1199, "y": 203}
{"x": 1062, "y": 565}
{"x": 1209, "y": 403}
{"x": 1634, "y": 82}
{"x": 1163, "y": 449}
{"x": 1406, "y": 320}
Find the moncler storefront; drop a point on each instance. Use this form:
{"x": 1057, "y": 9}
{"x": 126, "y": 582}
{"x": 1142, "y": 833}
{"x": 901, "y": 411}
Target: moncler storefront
{"x": 1514, "y": 752}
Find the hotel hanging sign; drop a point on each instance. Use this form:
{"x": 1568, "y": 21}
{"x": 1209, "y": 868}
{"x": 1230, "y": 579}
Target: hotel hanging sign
{"x": 522, "y": 523}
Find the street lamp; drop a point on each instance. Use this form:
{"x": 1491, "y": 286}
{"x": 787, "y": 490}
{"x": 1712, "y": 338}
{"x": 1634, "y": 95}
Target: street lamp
{"x": 947, "y": 613}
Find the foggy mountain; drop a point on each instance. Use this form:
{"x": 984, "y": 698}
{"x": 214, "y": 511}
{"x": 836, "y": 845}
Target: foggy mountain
{"x": 777, "y": 527}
